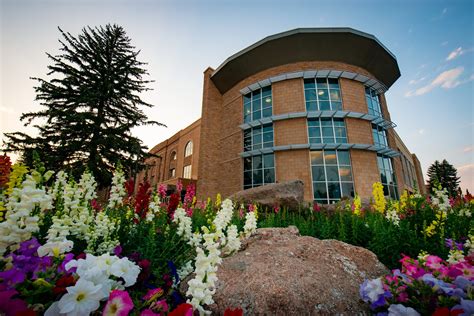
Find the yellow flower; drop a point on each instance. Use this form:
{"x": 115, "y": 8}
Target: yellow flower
{"x": 379, "y": 198}
{"x": 357, "y": 205}
{"x": 16, "y": 177}
{"x": 218, "y": 200}
{"x": 404, "y": 200}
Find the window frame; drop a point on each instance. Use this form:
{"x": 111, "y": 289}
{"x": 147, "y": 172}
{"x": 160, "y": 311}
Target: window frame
{"x": 256, "y": 97}
{"x": 187, "y": 172}
{"x": 316, "y": 89}
{"x": 321, "y": 136}
{"x": 263, "y": 169}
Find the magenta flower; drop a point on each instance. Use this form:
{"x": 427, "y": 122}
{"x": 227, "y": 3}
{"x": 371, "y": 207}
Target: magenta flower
{"x": 11, "y": 306}
{"x": 148, "y": 312}
{"x": 119, "y": 304}
{"x": 162, "y": 190}
{"x": 434, "y": 262}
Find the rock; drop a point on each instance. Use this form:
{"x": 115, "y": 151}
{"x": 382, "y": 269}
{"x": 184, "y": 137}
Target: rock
{"x": 279, "y": 272}
{"x": 286, "y": 194}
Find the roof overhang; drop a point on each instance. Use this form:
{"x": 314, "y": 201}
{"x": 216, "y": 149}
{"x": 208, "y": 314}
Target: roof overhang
{"x": 344, "y": 45}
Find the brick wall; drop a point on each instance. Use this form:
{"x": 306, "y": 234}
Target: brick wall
{"x": 364, "y": 171}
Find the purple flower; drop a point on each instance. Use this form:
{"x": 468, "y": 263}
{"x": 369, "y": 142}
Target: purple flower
{"x": 436, "y": 284}
{"x": 401, "y": 310}
{"x": 451, "y": 244}
{"x": 12, "y": 277}
{"x": 11, "y": 306}
{"x": 118, "y": 250}
{"x": 467, "y": 306}
{"x": 462, "y": 283}
{"x": 62, "y": 268}
{"x": 29, "y": 248}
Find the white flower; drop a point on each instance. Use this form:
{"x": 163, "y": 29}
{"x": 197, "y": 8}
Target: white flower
{"x": 125, "y": 269}
{"x": 117, "y": 192}
{"x": 55, "y": 248}
{"x": 233, "y": 240}
{"x": 223, "y": 217}
{"x": 250, "y": 226}
{"x": 184, "y": 223}
{"x": 374, "y": 289}
{"x": 392, "y": 217}
{"x": 185, "y": 270}
{"x": 80, "y": 299}
{"x": 455, "y": 256}
{"x": 400, "y": 310}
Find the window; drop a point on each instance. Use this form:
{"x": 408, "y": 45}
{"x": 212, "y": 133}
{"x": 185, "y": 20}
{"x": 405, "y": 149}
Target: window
{"x": 188, "y": 150}
{"x": 259, "y": 170}
{"x": 173, "y": 155}
{"x": 172, "y": 173}
{"x": 373, "y": 102}
{"x": 187, "y": 172}
{"x": 380, "y": 136}
{"x": 258, "y": 104}
{"x": 322, "y": 94}
{"x": 326, "y": 131}
{"x": 332, "y": 175}
{"x": 258, "y": 137}
{"x": 387, "y": 177}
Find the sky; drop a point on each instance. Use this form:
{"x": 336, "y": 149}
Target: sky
{"x": 431, "y": 103}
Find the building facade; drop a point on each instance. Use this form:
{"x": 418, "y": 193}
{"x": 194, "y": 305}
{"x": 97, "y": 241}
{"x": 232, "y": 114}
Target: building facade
{"x": 306, "y": 104}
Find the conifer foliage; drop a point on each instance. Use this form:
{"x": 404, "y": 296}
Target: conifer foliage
{"x": 92, "y": 102}
{"x": 445, "y": 175}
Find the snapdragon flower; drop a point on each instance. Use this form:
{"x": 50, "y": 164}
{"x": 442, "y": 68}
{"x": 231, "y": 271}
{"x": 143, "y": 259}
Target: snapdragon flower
{"x": 250, "y": 226}
{"x": 21, "y": 221}
{"x": 102, "y": 229}
{"x": 233, "y": 240}
{"x": 184, "y": 223}
{"x": 117, "y": 191}
{"x": 392, "y": 217}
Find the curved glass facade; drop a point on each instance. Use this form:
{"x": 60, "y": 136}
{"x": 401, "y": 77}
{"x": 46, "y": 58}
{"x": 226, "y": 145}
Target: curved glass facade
{"x": 258, "y": 104}
{"x": 322, "y": 94}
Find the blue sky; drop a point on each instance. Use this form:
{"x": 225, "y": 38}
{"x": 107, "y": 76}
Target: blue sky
{"x": 432, "y": 102}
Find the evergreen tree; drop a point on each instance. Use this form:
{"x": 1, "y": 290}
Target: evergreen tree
{"x": 445, "y": 175}
{"x": 91, "y": 102}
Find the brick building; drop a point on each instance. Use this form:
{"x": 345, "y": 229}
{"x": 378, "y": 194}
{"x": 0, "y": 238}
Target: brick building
{"x": 304, "y": 104}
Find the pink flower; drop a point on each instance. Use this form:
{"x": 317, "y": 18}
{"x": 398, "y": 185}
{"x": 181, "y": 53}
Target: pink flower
{"x": 161, "y": 306}
{"x": 251, "y": 207}
{"x": 316, "y": 207}
{"x": 119, "y": 304}
{"x": 434, "y": 262}
{"x": 179, "y": 187}
{"x": 162, "y": 190}
{"x": 149, "y": 312}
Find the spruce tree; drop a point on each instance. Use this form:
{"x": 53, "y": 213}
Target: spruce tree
{"x": 445, "y": 175}
{"x": 92, "y": 102}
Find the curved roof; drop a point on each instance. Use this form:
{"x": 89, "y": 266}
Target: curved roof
{"x": 309, "y": 44}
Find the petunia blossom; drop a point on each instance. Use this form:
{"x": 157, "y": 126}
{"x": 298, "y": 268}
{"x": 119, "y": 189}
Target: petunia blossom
{"x": 119, "y": 304}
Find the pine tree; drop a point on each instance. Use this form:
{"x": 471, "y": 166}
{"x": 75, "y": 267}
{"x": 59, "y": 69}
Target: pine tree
{"x": 91, "y": 104}
{"x": 445, "y": 175}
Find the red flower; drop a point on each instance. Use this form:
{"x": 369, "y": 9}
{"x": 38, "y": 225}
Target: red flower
{"x": 62, "y": 283}
{"x": 145, "y": 271}
{"x": 27, "y": 312}
{"x": 234, "y": 312}
{"x": 130, "y": 187}
{"x": 5, "y": 168}
{"x": 173, "y": 204}
{"x": 316, "y": 207}
{"x": 444, "y": 311}
{"x": 142, "y": 199}
{"x": 184, "y": 309}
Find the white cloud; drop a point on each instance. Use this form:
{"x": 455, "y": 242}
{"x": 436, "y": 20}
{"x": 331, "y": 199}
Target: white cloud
{"x": 468, "y": 149}
{"x": 444, "y": 43}
{"x": 455, "y": 53}
{"x": 421, "y": 131}
{"x": 447, "y": 79}
{"x": 415, "y": 81}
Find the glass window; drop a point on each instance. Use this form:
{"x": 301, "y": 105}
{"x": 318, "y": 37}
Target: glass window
{"x": 188, "y": 150}
{"x": 258, "y": 104}
{"x": 332, "y": 175}
{"x": 327, "y": 131}
{"x": 172, "y": 173}
{"x": 187, "y": 172}
{"x": 322, "y": 94}
{"x": 380, "y": 136}
{"x": 173, "y": 155}
{"x": 259, "y": 170}
{"x": 373, "y": 102}
{"x": 387, "y": 177}
{"x": 258, "y": 137}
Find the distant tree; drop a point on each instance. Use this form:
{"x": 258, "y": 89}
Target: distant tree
{"x": 445, "y": 175}
{"x": 91, "y": 104}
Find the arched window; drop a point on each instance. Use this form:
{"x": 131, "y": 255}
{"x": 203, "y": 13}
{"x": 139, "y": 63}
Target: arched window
{"x": 188, "y": 150}
{"x": 173, "y": 155}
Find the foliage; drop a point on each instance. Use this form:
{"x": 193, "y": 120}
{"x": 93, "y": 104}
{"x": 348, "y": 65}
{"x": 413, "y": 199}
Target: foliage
{"x": 443, "y": 175}
{"x": 91, "y": 104}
